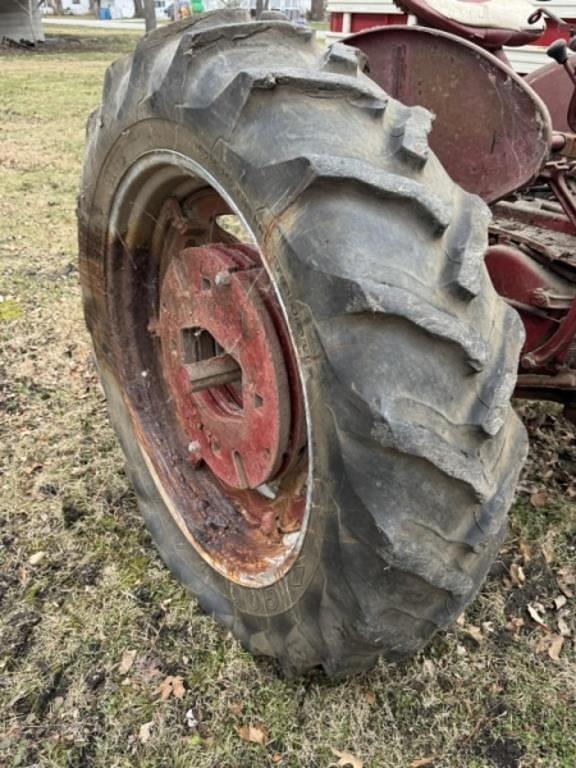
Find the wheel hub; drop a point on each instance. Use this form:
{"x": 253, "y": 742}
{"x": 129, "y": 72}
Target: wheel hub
{"x": 223, "y": 362}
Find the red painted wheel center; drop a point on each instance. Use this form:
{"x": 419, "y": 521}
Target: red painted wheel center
{"x": 223, "y": 352}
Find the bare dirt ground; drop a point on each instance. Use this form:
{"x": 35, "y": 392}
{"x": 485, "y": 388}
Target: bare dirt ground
{"x": 104, "y": 660}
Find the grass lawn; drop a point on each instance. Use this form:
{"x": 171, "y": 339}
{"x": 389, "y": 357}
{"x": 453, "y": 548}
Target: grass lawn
{"x": 105, "y": 661}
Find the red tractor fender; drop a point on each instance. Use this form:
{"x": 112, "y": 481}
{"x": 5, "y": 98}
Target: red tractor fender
{"x": 492, "y": 132}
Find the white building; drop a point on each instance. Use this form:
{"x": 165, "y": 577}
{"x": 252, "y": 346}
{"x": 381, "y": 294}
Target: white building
{"x": 119, "y": 9}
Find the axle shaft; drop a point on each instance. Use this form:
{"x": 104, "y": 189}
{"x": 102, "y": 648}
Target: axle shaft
{"x": 213, "y": 372}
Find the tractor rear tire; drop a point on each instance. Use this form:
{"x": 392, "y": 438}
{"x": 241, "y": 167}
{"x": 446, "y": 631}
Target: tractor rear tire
{"x": 407, "y": 357}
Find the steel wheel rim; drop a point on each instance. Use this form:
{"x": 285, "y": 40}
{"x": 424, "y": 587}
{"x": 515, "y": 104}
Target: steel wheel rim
{"x": 136, "y": 239}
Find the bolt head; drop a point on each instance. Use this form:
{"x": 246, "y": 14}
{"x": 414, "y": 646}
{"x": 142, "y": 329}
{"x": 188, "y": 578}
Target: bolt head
{"x": 223, "y": 278}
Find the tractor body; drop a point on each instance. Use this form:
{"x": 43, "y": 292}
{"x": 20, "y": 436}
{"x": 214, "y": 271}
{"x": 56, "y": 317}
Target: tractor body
{"x": 511, "y": 141}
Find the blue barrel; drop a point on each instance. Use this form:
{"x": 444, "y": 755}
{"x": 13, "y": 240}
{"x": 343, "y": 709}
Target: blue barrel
{"x": 105, "y": 14}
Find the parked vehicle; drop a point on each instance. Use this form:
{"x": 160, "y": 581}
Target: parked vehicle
{"x": 312, "y": 296}
{"x": 180, "y": 6}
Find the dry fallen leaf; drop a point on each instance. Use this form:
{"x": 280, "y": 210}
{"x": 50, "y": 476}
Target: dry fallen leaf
{"x": 560, "y": 602}
{"x": 475, "y": 633}
{"x": 36, "y": 557}
{"x": 547, "y": 552}
{"x": 525, "y": 551}
{"x": 423, "y": 762}
{"x": 178, "y": 690}
{"x": 235, "y": 708}
{"x": 515, "y": 624}
{"x": 565, "y": 589}
{"x": 538, "y": 499}
{"x": 535, "y": 616}
{"x": 145, "y": 731}
{"x": 255, "y": 734}
{"x": 566, "y": 580}
{"x": 126, "y": 662}
{"x": 171, "y": 686}
{"x": 429, "y": 668}
{"x": 563, "y": 628}
{"x": 542, "y": 644}
{"x": 517, "y": 574}
{"x": 568, "y": 574}
{"x": 346, "y": 759}
{"x": 555, "y": 647}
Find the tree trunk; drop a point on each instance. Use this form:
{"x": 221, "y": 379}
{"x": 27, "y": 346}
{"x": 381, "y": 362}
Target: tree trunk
{"x": 21, "y": 21}
{"x": 150, "y": 15}
{"x": 317, "y": 10}
{"x": 138, "y": 9}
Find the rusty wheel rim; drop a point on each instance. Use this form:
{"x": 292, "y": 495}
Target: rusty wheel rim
{"x": 210, "y": 376}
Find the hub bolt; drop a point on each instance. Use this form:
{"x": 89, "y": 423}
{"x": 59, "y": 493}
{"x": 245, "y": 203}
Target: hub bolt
{"x": 222, "y": 278}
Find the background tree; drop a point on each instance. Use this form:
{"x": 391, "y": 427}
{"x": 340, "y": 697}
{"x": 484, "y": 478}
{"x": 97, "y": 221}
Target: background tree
{"x": 150, "y": 15}
{"x": 317, "y": 10}
{"x": 56, "y": 6}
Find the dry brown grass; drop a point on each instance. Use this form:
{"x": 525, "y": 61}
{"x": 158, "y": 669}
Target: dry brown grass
{"x": 99, "y": 588}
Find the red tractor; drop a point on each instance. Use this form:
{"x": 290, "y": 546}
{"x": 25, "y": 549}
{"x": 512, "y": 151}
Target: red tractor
{"x": 313, "y": 292}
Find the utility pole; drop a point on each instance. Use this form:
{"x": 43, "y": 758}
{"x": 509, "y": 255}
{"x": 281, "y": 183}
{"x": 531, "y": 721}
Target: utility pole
{"x": 149, "y": 15}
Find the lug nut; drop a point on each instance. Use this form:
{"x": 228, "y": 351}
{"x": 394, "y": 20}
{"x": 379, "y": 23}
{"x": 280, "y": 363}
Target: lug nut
{"x": 194, "y": 446}
{"x": 222, "y": 278}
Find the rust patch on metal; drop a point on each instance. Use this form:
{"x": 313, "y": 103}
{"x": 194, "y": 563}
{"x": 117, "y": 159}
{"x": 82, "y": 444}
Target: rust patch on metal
{"x": 214, "y": 327}
{"x": 492, "y": 133}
